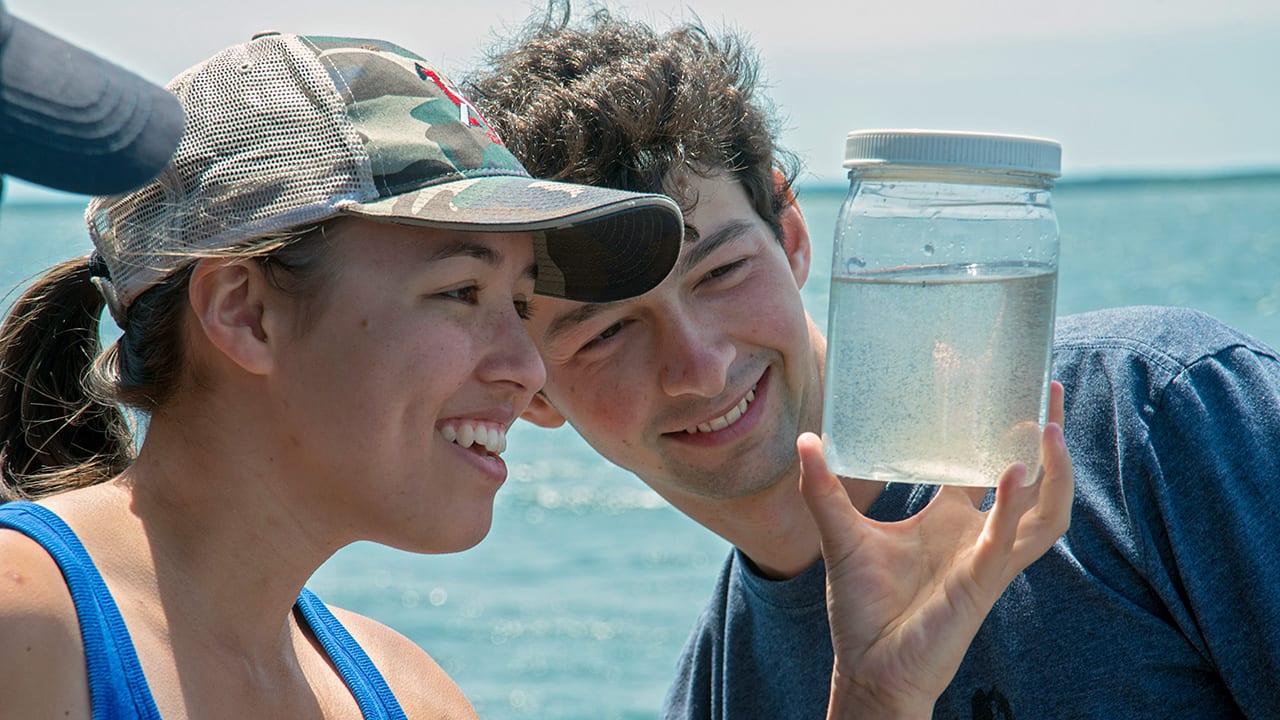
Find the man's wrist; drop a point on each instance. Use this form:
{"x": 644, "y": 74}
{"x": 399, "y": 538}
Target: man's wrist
{"x": 851, "y": 700}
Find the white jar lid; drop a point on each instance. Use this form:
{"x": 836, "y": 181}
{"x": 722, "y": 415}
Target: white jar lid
{"x": 953, "y": 149}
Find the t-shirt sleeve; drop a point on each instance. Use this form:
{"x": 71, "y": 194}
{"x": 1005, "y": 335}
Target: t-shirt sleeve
{"x": 1215, "y": 455}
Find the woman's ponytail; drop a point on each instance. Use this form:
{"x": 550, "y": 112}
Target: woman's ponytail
{"x": 58, "y": 430}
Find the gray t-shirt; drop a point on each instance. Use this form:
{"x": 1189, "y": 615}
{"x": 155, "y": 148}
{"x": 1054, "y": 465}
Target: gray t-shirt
{"x": 1163, "y": 598}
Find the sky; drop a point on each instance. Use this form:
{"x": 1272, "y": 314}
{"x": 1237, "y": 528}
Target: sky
{"x": 1128, "y": 87}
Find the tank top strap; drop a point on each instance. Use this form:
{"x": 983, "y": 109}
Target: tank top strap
{"x": 118, "y": 689}
{"x": 371, "y": 691}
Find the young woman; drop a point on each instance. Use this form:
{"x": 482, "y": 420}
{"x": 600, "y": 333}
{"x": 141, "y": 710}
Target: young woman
{"x": 321, "y": 301}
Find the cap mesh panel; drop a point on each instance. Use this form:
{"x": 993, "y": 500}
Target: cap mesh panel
{"x": 268, "y": 147}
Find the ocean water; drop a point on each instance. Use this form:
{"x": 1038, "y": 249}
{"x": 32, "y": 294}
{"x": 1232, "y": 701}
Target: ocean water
{"x": 578, "y": 602}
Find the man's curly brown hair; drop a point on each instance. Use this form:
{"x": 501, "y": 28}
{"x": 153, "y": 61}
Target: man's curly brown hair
{"x": 614, "y": 103}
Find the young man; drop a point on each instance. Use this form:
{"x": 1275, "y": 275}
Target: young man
{"x": 1162, "y": 599}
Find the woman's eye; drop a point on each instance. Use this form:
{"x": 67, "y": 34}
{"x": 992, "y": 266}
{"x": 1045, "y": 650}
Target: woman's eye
{"x": 524, "y": 308}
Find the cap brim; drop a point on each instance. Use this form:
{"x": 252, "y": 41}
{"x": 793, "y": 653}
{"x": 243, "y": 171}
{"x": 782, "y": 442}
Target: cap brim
{"x": 73, "y": 121}
{"x": 593, "y": 244}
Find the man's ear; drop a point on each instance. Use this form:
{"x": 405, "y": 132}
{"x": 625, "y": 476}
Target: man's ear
{"x": 795, "y": 233}
{"x": 227, "y": 297}
{"x": 542, "y": 413}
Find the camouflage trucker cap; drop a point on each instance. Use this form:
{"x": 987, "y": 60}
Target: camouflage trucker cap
{"x": 285, "y": 131}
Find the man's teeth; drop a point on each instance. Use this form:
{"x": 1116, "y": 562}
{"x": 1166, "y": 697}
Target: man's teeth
{"x": 493, "y": 439}
{"x": 726, "y": 419}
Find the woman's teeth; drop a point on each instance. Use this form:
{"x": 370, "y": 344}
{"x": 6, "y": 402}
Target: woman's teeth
{"x": 491, "y": 437}
{"x": 726, "y": 419}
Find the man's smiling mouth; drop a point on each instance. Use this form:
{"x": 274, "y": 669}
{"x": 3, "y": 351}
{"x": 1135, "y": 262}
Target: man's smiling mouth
{"x": 735, "y": 413}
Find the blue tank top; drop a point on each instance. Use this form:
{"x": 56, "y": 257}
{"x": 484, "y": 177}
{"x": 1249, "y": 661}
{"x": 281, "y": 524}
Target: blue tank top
{"x": 117, "y": 688}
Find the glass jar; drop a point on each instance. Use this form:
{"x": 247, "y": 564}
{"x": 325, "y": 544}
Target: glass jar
{"x": 943, "y": 294}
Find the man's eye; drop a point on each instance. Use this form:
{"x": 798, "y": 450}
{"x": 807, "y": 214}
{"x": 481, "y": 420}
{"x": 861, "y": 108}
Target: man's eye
{"x": 463, "y": 294}
{"x": 610, "y": 331}
{"x": 603, "y": 337}
{"x": 725, "y": 269}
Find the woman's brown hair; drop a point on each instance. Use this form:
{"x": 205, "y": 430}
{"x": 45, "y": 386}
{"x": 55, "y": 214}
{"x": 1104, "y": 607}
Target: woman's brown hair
{"x": 64, "y": 402}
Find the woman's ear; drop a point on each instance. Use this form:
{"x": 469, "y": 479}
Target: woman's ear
{"x": 542, "y": 413}
{"x": 228, "y": 298}
{"x": 795, "y": 233}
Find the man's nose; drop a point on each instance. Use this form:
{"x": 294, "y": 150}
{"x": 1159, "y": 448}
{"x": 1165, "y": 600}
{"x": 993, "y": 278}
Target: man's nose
{"x": 694, "y": 361}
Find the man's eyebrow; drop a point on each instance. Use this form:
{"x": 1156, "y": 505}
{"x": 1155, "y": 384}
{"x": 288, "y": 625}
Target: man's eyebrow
{"x": 574, "y": 317}
{"x": 701, "y": 247}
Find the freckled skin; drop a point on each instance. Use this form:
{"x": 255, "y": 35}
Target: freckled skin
{"x": 301, "y": 439}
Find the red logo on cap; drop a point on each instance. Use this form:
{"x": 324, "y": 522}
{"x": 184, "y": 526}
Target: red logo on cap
{"x": 467, "y": 113}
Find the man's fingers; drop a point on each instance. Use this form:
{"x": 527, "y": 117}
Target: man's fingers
{"x": 1056, "y": 403}
{"x": 838, "y": 521}
{"x": 1000, "y": 531}
{"x": 1049, "y": 519}
{"x": 1026, "y": 520}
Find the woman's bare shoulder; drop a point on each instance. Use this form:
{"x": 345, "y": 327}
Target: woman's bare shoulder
{"x": 420, "y": 685}
{"x": 41, "y": 652}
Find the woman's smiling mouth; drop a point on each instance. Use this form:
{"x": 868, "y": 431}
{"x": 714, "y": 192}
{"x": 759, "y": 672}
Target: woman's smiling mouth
{"x": 493, "y": 438}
